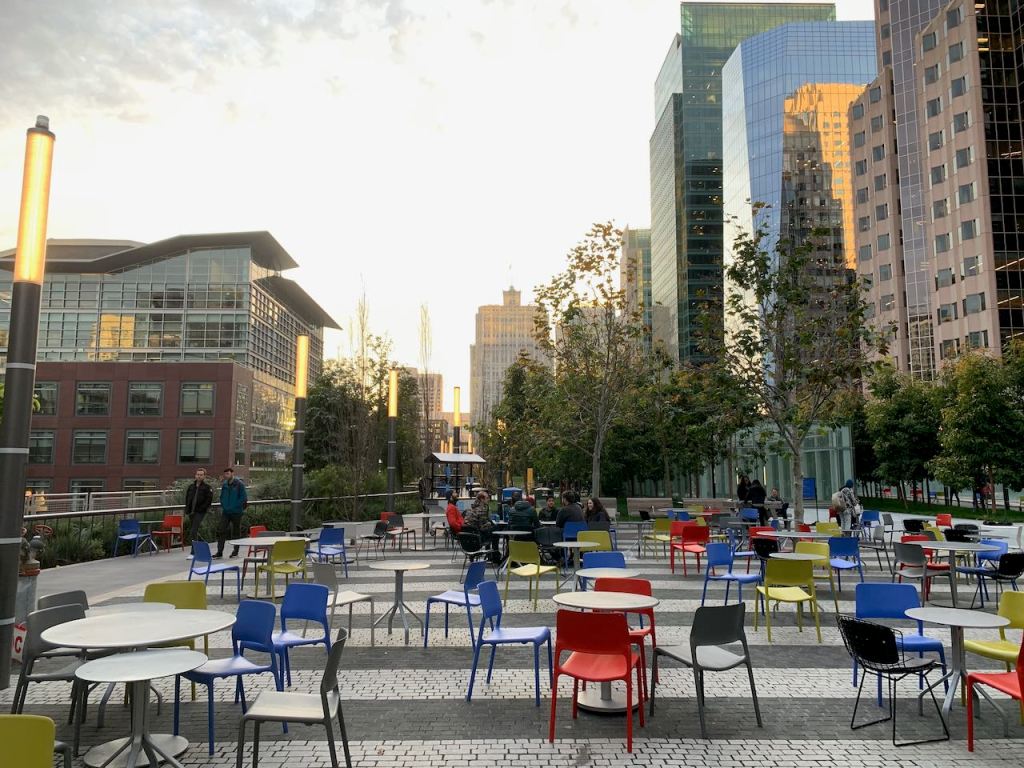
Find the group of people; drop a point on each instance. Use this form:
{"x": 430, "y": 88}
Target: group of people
{"x": 750, "y": 493}
{"x": 233, "y": 502}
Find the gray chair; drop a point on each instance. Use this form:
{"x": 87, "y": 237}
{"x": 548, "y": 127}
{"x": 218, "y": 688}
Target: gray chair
{"x": 35, "y": 649}
{"x": 325, "y": 574}
{"x": 73, "y": 597}
{"x": 912, "y": 563}
{"x": 713, "y": 627}
{"x": 888, "y": 525}
{"x": 305, "y": 708}
{"x": 875, "y": 542}
{"x": 65, "y": 752}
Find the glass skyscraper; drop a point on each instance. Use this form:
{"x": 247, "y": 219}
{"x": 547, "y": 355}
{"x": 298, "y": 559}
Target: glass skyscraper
{"x": 686, "y": 162}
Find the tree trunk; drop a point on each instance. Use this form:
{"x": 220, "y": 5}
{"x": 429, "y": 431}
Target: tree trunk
{"x": 927, "y": 491}
{"x": 1006, "y": 498}
{"x": 797, "y": 476}
{"x": 595, "y": 466}
{"x": 992, "y": 491}
{"x": 666, "y": 476}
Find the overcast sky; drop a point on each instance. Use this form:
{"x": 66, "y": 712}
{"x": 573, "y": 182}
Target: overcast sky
{"x": 420, "y": 151}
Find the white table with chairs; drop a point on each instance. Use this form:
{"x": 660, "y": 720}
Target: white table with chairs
{"x": 953, "y": 548}
{"x": 399, "y": 567}
{"x": 605, "y": 573}
{"x": 575, "y": 550}
{"x": 118, "y": 608}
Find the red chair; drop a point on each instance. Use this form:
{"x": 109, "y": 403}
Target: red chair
{"x": 933, "y": 564}
{"x": 1010, "y": 683}
{"x": 169, "y": 528}
{"x": 693, "y": 541}
{"x": 255, "y": 530}
{"x": 636, "y": 635}
{"x": 600, "y": 651}
{"x": 944, "y": 520}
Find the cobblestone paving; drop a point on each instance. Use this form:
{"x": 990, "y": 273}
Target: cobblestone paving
{"x": 405, "y": 706}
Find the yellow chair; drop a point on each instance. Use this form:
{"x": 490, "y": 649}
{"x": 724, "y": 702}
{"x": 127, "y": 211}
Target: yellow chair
{"x": 603, "y": 539}
{"x": 287, "y": 558}
{"x": 831, "y": 527}
{"x": 824, "y": 561}
{"x": 183, "y": 595}
{"x": 939, "y": 535}
{"x": 528, "y": 556}
{"x": 788, "y": 581}
{"x": 660, "y": 534}
{"x": 1011, "y": 606}
{"x": 28, "y": 741}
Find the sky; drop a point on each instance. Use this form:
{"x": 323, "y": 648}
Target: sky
{"x": 412, "y": 152}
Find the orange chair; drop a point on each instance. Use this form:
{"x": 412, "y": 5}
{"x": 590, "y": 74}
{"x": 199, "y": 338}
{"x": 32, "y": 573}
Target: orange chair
{"x": 600, "y": 651}
{"x": 693, "y": 541}
{"x": 944, "y": 520}
{"x": 636, "y": 635}
{"x": 1010, "y": 683}
{"x": 933, "y": 564}
{"x": 169, "y": 528}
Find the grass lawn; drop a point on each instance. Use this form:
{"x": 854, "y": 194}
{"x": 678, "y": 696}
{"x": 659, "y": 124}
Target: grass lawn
{"x": 930, "y": 510}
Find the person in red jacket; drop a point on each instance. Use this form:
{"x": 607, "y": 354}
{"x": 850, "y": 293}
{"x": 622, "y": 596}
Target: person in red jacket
{"x": 453, "y": 515}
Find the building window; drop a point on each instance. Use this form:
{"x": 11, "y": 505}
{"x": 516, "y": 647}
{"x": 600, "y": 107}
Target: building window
{"x": 964, "y": 157}
{"x": 931, "y": 74}
{"x": 92, "y": 399}
{"x": 885, "y": 31}
{"x": 857, "y": 111}
{"x": 197, "y": 399}
{"x": 965, "y": 193}
{"x": 933, "y": 107}
{"x": 958, "y": 87}
{"x": 953, "y": 17}
{"x": 882, "y": 212}
{"x": 859, "y": 138}
{"x": 880, "y": 183}
{"x": 869, "y": 310}
{"x": 38, "y": 485}
{"x": 961, "y": 122}
{"x": 944, "y": 278}
{"x": 935, "y": 141}
{"x": 942, "y": 243}
{"x": 886, "y": 58}
{"x": 140, "y": 484}
{"x": 971, "y": 266}
{"x": 40, "y": 447}
{"x": 883, "y": 242}
{"x": 940, "y": 209}
{"x": 90, "y": 485}
{"x": 968, "y": 230}
{"x": 949, "y": 348}
{"x": 929, "y": 41}
{"x": 195, "y": 447}
{"x": 974, "y": 303}
{"x": 938, "y": 174}
{"x": 862, "y": 195}
{"x": 956, "y": 52}
{"x": 141, "y": 447}
{"x": 878, "y": 153}
{"x": 863, "y": 223}
{"x": 46, "y": 394}
{"x": 887, "y": 303}
{"x": 89, "y": 447}
{"x": 145, "y": 398}
{"x": 864, "y": 252}
{"x": 860, "y": 167}
{"x": 875, "y": 95}
{"x": 884, "y": 273}
{"x": 977, "y": 340}
{"x": 947, "y": 313}
{"x": 867, "y": 281}
{"x": 876, "y": 124}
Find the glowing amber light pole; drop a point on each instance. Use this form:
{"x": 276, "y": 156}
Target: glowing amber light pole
{"x": 299, "y": 432}
{"x": 392, "y": 437}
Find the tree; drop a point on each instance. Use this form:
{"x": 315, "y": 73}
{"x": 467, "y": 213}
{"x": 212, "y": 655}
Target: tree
{"x": 796, "y": 329}
{"x": 586, "y": 327}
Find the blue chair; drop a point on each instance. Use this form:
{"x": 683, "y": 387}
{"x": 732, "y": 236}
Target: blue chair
{"x": 891, "y": 601}
{"x": 679, "y": 514}
{"x": 203, "y": 565}
{"x": 490, "y": 602}
{"x": 735, "y": 542}
{"x": 131, "y": 531}
{"x": 601, "y": 560}
{"x": 844, "y": 555}
{"x": 330, "y": 546}
{"x": 870, "y": 518}
{"x": 459, "y": 597}
{"x": 571, "y": 529}
{"x": 749, "y": 515}
{"x": 720, "y": 555}
{"x": 253, "y": 631}
{"x": 302, "y": 602}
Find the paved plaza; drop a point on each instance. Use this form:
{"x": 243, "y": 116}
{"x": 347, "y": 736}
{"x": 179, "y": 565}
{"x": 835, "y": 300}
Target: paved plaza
{"x": 405, "y": 706}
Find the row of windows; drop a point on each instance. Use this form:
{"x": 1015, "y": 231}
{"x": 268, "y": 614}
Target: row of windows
{"x": 145, "y": 398}
{"x": 968, "y": 231}
{"x": 950, "y": 348}
{"x": 140, "y": 447}
{"x": 971, "y": 304}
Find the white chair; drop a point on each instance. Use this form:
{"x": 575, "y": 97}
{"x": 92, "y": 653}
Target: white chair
{"x": 324, "y": 573}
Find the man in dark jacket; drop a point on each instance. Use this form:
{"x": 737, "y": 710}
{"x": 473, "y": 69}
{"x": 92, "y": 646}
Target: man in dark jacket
{"x": 233, "y": 501}
{"x": 523, "y": 516}
{"x": 755, "y": 498}
{"x": 571, "y": 511}
{"x": 198, "y": 498}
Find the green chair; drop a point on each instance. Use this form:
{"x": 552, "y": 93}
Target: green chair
{"x": 603, "y": 539}
{"x": 29, "y": 741}
{"x": 661, "y": 533}
{"x": 527, "y": 555}
{"x": 182, "y": 595}
{"x": 287, "y": 558}
{"x": 788, "y": 581}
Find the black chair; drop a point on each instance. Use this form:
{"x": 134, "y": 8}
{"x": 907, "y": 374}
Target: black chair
{"x": 911, "y": 525}
{"x": 764, "y": 549}
{"x": 713, "y": 627}
{"x": 952, "y": 534}
{"x": 473, "y": 549}
{"x": 1010, "y": 568}
{"x": 376, "y": 540}
{"x": 546, "y": 537}
{"x": 877, "y": 648}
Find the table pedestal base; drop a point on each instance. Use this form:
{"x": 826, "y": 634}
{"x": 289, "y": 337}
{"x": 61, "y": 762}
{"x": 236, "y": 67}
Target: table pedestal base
{"x": 142, "y": 748}
{"x": 955, "y": 677}
{"x": 605, "y": 700}
{"x": 399, "y": 608}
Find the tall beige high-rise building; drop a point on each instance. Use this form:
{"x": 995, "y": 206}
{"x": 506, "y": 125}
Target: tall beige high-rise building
{"x": 503, "y": 333}
{"x": 431, "y": 389}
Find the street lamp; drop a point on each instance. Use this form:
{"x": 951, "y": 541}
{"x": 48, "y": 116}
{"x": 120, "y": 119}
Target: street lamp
{"x": 299, "y": 432}
{"x": 26, "y": 293}
{"x": 392, "y": 429}
{"x": 457, "y": 423}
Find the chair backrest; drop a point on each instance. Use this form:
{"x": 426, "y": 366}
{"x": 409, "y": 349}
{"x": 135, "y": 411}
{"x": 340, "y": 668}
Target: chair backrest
{"x": 882, "y": 600}
{"x": 180, "y": 594}
{"x": 1011, "y": 565}
{"x": 870, "y": 516}
{"x": 969, "y": 527}
{"x": 265, "y": 534}
{"x": 599, "y": 525}
{"x": 288, "y": 551}
{"x": 476, "y": 573}
{"x": 748, "y": 513}
{"x": 909, "y": 554}
{"x": 603, "y": 539}
{"x": 952, "y": 534}
{"x": 171, "y": 522}
{"x": 910, "y": 538}
{"x": 570, "y": 531}
{"x": 718, "y": 625}
{"x": 126, "y": 527}
{"x": 935, "y": 532}
{"x": 663, "y": 525}
{"x": 696, "y": 534}
{"x": 764, "y": 548}
{"x": 789, "y": 573}
{"x": 547, "y": 535}
{"x": 201, "y": 552}
{"x": 829, "y": 527}
{"x": 629, "y": 586}
{"x": 819, "y": 548}
{"x": 595, "y": 633}
{"x": 256, "y": 530}
{"x": 40, "y": 621}
{"x": 470, "y": 541}
{"x": 887, "y": 519}
{"x": 604, "y": 560}
{"x": 757, "y": 530}
{"x": 28, "y": 740}
{"x": 679, "y": 514}
{"x": 380, "y": 529}
{"x": 523, "y": 552}
{"x": 944, "y": 519}
{"x": 72, "y": 597}
{"x": 329, "y": 682}
{"x": 803, "y": 528}
{"x": 913, "y": 525}
{"x": 490, "y": 602}
{"x": 718, "y": 553}
{"x": 331, "y": 537}
{"x": 676, "y": 527}
{"x": 254, "y": 626}
{"x": 873, "y": 645}
{"x": 303, "y": 600}
{"x": 1011, "y": 606}
{"x": 324, "y": 573}
{"x": 397, "y": 520}
{"x": 844, "y": 546}
{"x": 1004, "y": 547}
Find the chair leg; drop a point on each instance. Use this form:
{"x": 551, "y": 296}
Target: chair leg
{"x": 551, "y": 720}
{"x": 536, "y": 672}
{"x": 344, "y": 737}
{"x": 426, "y": 624}
{"x": 241, "y": 743}
{"x": 753, "y": 694}
{"x": 698, "y": 679}
{"x": 472, "y": 670}
{"x": 256, "y": 744}
{"x": 330, "y": 743}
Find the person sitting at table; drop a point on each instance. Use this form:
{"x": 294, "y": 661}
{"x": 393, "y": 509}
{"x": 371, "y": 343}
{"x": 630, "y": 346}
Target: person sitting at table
{"x": 479, "y": 516}
{"x": 571, "y": 511}
{"x": 523, "y": 516}
{"x": 550, "y": 511}
{"x": 756, "y": 496}
{"x": 775, "y": 496}
{"x": 596, "y": 513}
{"x": 453, "y": 516}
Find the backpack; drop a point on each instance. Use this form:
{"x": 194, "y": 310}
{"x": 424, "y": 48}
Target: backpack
{"x": 837, "y": 500}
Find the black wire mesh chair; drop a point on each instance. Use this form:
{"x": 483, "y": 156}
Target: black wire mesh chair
{"x": 877, "y": 648}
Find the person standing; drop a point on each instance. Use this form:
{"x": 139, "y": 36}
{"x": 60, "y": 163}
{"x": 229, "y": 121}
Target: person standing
{"x": 742, "y": 490}
{"x": 849, "y": 513}
{"x": 198, "y": 498}
{"x": 233, "y": 501}
{"x": 756, "y": 496}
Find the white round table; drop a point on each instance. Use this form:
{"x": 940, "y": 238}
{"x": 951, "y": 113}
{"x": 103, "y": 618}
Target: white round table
{"x": 956, "y": 619}
{"x": 399, "y": 567}
{"x": 800, "y": 556}
{"x": 952, "y": 548}
{"x": 137, "y": 670}
{"x": 115, "y": 608}
{"x": 578, "y": 546}
{"x": 603, "y": 573}
{"x": 262, "y": 541}
{"x": 604, "y": 699}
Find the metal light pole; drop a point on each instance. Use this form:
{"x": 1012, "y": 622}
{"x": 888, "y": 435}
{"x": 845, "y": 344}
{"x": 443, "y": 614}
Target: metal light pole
{"x": 299, "y": 432}
{"x": 21, "y": 371}
{"x": 392, "y": 436}
{"x": 457, "y": 423}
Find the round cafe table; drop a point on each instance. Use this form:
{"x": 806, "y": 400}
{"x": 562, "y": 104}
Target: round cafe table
{"x": 784, "y": 536}
{"x": 124, "y": 631}
{"x": 604, "y": 573}
{"x": 578, "y": 546}
{"x": 137, "y": 670}
{"x": 399, "y": 567}
{"x": 603, "y": 698}
{"x": 956, "y": 619}
{"x": 800, "y": 556}
{"x": 115, "y": 608}
{"x": 953, "y": 548}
